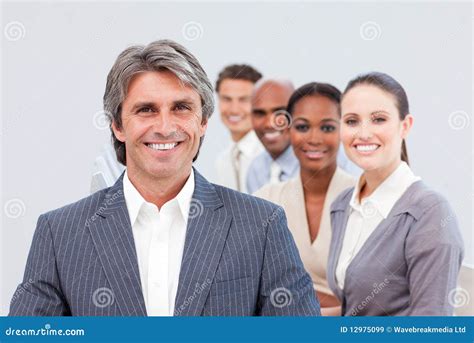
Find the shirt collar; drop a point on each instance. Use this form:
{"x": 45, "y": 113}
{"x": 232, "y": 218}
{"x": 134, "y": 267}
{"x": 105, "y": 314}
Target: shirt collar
{"x": 387, "y": 193}
{"x": 288, "y": 161}
{"x": 135, "y": 200}
{"x": 248, "y": 143}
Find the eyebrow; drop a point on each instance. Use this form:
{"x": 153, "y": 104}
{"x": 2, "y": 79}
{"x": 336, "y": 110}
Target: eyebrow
{"x": 141, "y": 104}
{"x": 228, "y": 97}
{"x": 258, "y": 111}
{"x": 380, "y": 111}
{"x": 151, "y": 104}
{"x": 330, "y": 120}
{"x": 187, "y": 101}
{"x": 325, "y": 120}
{"x": 245, "y": 97}
{"x": 372, "y": 113}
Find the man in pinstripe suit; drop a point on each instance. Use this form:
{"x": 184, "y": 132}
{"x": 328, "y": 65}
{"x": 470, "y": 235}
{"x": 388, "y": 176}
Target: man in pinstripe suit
{"x": 163, "y": 241}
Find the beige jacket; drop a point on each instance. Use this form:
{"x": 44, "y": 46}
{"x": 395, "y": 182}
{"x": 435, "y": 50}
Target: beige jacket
{"x": 290, "y": 196}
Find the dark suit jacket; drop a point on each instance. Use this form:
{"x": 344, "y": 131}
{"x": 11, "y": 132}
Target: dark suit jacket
{"x": 239, "y": 259}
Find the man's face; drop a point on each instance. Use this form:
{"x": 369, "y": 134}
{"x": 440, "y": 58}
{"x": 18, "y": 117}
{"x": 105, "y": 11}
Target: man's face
{"x": 268, "y": 100}
{"x": 161, "y": 125}
{"x": 235, "y": 105}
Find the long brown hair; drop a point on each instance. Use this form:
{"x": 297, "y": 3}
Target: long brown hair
{"x": 390, "y": 85}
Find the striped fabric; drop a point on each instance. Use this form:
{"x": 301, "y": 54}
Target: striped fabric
{"x": 239, "y": 260}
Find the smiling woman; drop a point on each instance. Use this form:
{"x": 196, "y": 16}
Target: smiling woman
{"x": 391, "y": 228}
{"x": 376, "y": 103}
{"x": 315, "y": 112}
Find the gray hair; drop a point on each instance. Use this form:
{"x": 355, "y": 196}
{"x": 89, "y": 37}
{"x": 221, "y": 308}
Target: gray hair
{"x": 160, "y": 55}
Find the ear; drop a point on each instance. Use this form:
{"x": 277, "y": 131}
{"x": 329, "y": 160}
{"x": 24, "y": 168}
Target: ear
{"x": 118, "y": 132}
{"x": 407, "y": 124}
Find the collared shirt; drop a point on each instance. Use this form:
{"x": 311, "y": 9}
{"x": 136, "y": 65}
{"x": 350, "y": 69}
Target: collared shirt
{"x": 248, "y": 147}
{"x": 159, "y": 241}
{"x": 258, "y": 174}
{"x": 365, "y": 216}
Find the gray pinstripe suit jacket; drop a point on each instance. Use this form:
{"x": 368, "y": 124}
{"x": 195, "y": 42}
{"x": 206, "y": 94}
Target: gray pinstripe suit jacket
{"x": 239, "y": 259}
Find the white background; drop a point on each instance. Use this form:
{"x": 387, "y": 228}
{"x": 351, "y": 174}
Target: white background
{"x": 53, "y": 79}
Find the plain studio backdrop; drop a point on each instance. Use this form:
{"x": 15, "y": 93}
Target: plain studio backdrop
{"x": 56, "y": 56}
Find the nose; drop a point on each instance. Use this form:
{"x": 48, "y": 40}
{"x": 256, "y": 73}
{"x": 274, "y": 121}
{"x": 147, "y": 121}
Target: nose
{"x": 234, "y": 107}
{"x": 163, "y": 124}
{"x": 364, "y": 131}
{"x": 315, "y": 136}
{"x": 270, "y": 121}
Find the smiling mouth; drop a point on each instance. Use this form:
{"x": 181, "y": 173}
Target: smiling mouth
{"x": 314, "y": 154}
{"x": 272, "y": 135}
{"x": 162, "y": 146}
{"x": 234, "y": 118}
{"x": 366, "y": 148}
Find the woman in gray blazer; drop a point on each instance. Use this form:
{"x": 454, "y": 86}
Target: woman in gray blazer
{"x": 396, "y": 248}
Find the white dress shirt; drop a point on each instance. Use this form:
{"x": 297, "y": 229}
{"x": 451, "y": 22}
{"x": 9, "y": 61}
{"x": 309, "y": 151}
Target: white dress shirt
{"x": 159, "y": 241}
{"x": 366, "y": 216}
{"x": 275, "y": 172}
{"x": 264, "y": 169}
{"x": 232, "y": 165}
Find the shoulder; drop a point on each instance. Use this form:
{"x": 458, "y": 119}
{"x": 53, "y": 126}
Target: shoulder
{"x": 434, "y": 221}
{"x": 419, "y": 200}
{"x": 273, "y": 192}
{"x": 79, "y": 212}
{"x": 245, "y": 206}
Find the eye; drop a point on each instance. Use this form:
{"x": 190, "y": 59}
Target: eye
{"x": 351, "y": 122}
{"x": 145, "y": 109}
{"x": 301, "y": 127}
{"x": 328, "y": 128}
{"x": 182, "y": 107}
{"x": 379, "y": 120}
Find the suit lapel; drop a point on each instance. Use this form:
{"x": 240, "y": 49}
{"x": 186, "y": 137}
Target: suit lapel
{"x": 112, "y": 236}
{"x": 206, "y": 233}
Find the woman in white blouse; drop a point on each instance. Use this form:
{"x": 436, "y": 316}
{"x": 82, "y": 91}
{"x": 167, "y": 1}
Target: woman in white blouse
{"x": 314, "y": 112}
{"x": 396, "y": 248}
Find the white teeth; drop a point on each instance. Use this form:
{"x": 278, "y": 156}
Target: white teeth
{"x": 234, "y": 119}
{"x": 370, "y": 147}
{"x": 272, "y": 135}
{"x": 167, "y": 146}
{"x": 314, "y": 153}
